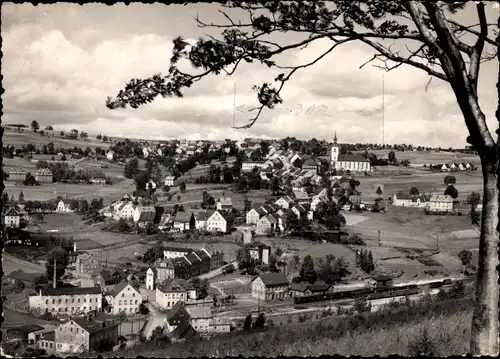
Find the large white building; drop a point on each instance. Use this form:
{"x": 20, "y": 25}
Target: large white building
{"x": 441, "y": 203}
{"x": 124, "y": 298}
{"x": 353, "y": 162}
{"x": 67, "y": 301}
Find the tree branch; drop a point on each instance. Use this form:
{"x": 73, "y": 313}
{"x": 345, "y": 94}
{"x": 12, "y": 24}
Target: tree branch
{"x": 477, "y": 50}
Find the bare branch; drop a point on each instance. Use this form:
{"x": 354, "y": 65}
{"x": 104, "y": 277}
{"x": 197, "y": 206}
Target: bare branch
{"x": 284, "y": 79}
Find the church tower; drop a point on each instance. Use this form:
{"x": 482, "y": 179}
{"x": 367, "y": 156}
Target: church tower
{"x": 334, "y": 154}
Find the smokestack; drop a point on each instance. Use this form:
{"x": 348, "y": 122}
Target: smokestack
{"x": 54, "y": 280}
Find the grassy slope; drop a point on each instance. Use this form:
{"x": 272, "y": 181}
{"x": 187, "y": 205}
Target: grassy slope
{"x": 448, "y": 324}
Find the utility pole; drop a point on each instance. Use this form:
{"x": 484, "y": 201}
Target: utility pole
{"x": 437, "y": 241}
{"x": 379, "y": 238}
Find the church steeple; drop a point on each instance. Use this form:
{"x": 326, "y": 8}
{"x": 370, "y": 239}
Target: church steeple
{"x": 335, "y": 137}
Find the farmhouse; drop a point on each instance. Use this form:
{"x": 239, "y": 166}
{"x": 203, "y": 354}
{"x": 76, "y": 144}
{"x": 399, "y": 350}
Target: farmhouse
{"x": 407, "y": 200}
{"x": 84, "y": 334}
{"x": 124, "y": 210}
{"x": 441, "y": 203}
{"x": 12, "y": 218}
{"x": 379, "y": 282}
{"x": 107, "y": 279}
{"x": 353, "y": 163}
{"x": 301, "y": 197}
{"x": 175, "y": 252}
{"x": 124, "y": 298}
{"x": 17, "y": 174}
{"x": 270, "y": 286}
{"x": 44, "y": 175}
{"x": 67, "y": 300}
{"x": 110, "y": 155}
{"x": 64, "y": 206}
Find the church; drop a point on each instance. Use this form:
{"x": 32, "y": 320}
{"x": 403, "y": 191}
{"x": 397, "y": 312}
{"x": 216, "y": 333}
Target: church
{"x": 353, "y": 162}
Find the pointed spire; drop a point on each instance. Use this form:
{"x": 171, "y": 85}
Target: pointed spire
{"x": 335, "y": 137}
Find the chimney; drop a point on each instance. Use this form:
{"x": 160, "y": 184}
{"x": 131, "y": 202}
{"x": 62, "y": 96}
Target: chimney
{"x": 54, "y": 281}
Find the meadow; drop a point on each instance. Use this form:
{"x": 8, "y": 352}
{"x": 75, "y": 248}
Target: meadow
{"x": 17, "y": 139}
{"x": 419, "y": 158}
{"x": 48, "y": 191}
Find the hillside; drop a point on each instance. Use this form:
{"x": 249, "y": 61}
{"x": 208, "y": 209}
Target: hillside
{"x": 17, "y": 139}
{"x": 400, "y": 332}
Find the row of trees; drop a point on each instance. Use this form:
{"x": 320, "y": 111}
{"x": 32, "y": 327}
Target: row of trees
{"x": 64, "y": 172}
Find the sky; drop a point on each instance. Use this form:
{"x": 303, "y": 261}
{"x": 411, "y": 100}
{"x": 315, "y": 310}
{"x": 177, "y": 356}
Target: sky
{"x": 60, "y": 63}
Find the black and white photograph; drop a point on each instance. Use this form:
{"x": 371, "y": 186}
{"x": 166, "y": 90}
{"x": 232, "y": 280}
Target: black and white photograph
{"x": 250, "y": 178}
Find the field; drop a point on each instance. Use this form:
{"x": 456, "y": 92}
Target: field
{"x": 202, "y": 170}
{"x": 47, "y": 191}
{"x": 411, "y": 228}
{"x": 17, "y": 139}
{"x": 425, "y": 181}
{"x": 194, "y": 195}
{"x": 419, "y": 158}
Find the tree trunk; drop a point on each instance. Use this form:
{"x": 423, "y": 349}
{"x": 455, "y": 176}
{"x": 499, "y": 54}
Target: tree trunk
{"x": 484, "y": 335}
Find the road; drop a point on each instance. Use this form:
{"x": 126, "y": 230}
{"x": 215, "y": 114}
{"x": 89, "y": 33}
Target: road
{"x": 155, "y": 318}
{"x": 11, "y": 263}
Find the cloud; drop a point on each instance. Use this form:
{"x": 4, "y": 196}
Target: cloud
{"x": 62, "y": 76}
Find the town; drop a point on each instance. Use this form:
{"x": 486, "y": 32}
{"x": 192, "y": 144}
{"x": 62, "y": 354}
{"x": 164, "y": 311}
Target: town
{"x": 250, "y": 178}
{"x": 124, "y": 239}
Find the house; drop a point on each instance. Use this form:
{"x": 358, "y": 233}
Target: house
{"x": 17, "y": 174}
{"x": 269, "y": 208}
{"x": 184, "y": 221}
{"x": 299, "y": 211}
{"x": 284, "y": 202}
{"x": 304, "y": 288}
{"x": 260, "y": 252}
{"x": 212, "y": 221}
{"x": 379, "y": 282}
{"x": 407, "y": 200}
{"x": 177, "y": 317}
{"x": 248, "y": 166}
{"x": 12, "y": 218}
{"x": 64, "y": 206}
{"x": 267, "y": 224}
{"x": 200, "y": 318}
{"x": 107, "y": 279}
{"x": 85, "y": 262}
{"x": 175, "y": 252}
{"x": 84, "y": 334}
{"x": 124, "y": 210}
{"x": 441, "y": 203}
{"x": 44, "y": 338}
{"x": 253, "y": 215}
{"x": 270, "y": 286}
{"x": 44, "y": 175}
{"x": 174, "y": 290}
{"x": 301, "y": 197}
{"x": 224, "y": 204}
{"x": 110, "y": 155}
{"x": 169, "y": 179}
{"x": 124, "y": 298}
{"x": 144, "y": 215}
{"x": 66, "y": 301}
{"x": 166, "y": 220}
{"x": 445, "y": 168}
{"x": 316, "y": 200}
{"x": 310, "y": 164}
